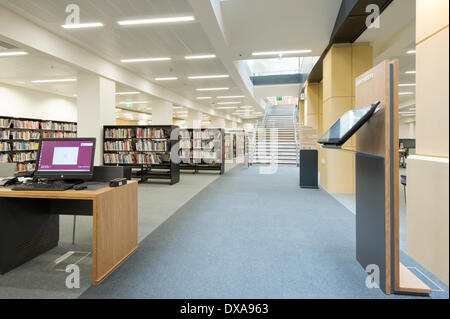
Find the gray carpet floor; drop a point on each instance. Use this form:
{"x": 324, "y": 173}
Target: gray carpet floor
{"x": 249, "y": 235}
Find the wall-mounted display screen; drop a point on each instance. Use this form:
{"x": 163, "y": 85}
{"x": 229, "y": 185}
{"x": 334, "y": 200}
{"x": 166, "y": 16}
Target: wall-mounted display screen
{"x": 347, "y": 125}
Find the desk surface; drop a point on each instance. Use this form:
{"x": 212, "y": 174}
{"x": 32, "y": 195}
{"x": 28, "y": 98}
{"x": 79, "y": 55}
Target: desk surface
{"x": 68, "y": 194}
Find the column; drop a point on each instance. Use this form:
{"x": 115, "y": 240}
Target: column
{"x": 218, "y": 122}
{"x": 342, "y": 64}
{"x": 427, "y": 218}
{"x": 301, "y": 112}
{"x": 194, "y": 119}
{"x": 162, "y": 112}
{"x": 96, "y": 108}
{"x": 312, "y": 104}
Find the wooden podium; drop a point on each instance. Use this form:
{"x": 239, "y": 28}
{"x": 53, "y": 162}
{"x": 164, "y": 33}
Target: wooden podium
{"x": 377, "y": 182}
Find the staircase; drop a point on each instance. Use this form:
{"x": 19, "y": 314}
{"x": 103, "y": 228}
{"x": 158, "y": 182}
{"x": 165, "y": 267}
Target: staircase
{"x": 280, "y": 145}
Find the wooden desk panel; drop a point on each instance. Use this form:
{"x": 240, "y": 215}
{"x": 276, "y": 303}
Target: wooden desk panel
{"x": 115, "y": 219}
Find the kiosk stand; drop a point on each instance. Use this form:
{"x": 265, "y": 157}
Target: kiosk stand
{"x": 377, "y": 182}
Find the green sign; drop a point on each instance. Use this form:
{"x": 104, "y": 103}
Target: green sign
{"x": 129, "y": 106}
{"x": 279, "y": 98}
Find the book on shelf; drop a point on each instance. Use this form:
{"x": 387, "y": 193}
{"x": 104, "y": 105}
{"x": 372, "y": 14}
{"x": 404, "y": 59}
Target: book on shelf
{"x": 5, "y": 147}
{"x": 132, "y": 158}
{"x": 25, "y": 146}
{"x": 125, "y": 145}
{"x": 152, "y": 146}
{"x": 19, "y": 137}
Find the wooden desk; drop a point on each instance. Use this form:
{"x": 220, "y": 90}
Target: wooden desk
{"x": 29, "y": 225}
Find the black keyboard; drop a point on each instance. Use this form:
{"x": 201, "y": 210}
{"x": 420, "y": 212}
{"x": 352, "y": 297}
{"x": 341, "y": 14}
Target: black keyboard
{"x": 43, "y": 187}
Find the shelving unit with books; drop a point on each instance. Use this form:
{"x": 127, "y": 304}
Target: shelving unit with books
{"x": 19, "y": 139}
{"x": 146, "y": 148}
{"x": 204, "y": 149}
{"x": 239, "y": 141}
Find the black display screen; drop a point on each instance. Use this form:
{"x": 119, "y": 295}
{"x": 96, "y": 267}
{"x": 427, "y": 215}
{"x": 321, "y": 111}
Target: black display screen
{"x": 347, "y": 125}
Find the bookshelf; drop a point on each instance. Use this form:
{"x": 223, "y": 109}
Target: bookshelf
{"x": 19, "y": 139}
{"x": 238, "y": 141}
{"x": 228, "y": 147}
{"x": 146, "y": 148}
{"x": 202, "y": 149}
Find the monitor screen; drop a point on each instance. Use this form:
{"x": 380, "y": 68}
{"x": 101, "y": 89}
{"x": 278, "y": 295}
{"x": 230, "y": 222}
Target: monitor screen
{"x": 348, "y": 124}
{"x": 66, "y": 155}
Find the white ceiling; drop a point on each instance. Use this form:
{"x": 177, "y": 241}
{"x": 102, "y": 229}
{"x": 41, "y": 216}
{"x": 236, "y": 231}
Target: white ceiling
{"x": 255, "y": 25}
{"x": 250, "y": 25}
{"x": 114, "y": 42}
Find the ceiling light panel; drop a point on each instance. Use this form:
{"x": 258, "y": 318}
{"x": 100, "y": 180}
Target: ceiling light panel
{"x": 229, "y": 102}
{"x": 13, "y": 53}
{"x": 212, "y": 89}
{"x": 127, "y": 93}
{"x": 198, "y": 57}
{"x": 231, "y": 97}
{"x": 145, "y": 60}
{"x": 157, "y": 20}
{"x": 83, "y": 25}
{"x": 220, "y": 76}
{"x": 54, "y": 81}
{"x": 166, "y": 79}
{"x": 281, "y": 52}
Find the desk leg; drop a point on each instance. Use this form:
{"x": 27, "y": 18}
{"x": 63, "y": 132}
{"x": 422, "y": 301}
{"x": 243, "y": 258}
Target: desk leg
{"x": 115, "y": 236}
{"x": 27, "y": 229}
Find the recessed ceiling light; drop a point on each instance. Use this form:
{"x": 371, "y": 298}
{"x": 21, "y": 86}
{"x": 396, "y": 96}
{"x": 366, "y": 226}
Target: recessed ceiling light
{"x": 220, "y": 76}
{"x": 281, "y": 52}
{"x": 229, "y": 102}
{"x": 127, "y": 93}
{"x": 405, "y": 93}
{"x": 54, "y": 81}
{"x": 411, "y": 52}
{"x": 407, "y": 84}
{"x": 203, "y": 97}
{"x": 195, "y": 57}
{"x": 135, "y": 102}
{"x": 231, "y": 97}
{"x": 14, "y": 53}
{"x": 246, "y": 107}
{"x": 145, "y": 60}
{"x": 83, "y": 25}
{"x": 178, "y": 107}
{"x": 213, "y": 89}
{"x": 226, "y": 107}
{"x": 410, "y": 72}
{"x": 166, "y": 79}
{"x": 157, "y": 20}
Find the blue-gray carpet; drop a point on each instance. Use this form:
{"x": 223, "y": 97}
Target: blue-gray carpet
{"x": 249, "y": 235}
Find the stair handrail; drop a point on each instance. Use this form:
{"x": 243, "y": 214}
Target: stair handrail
{"x": 297, "y": 142}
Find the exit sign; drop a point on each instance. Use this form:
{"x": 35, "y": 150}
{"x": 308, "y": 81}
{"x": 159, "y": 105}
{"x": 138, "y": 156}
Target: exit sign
{"x": 129, "y": 106}
{"x": 279, "y": 98}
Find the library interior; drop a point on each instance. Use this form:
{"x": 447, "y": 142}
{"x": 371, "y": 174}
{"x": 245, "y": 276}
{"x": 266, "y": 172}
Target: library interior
{"x": 224, "y": 149}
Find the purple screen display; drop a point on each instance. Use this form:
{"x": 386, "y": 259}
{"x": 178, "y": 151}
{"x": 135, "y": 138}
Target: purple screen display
{"x": 70, "y": 156}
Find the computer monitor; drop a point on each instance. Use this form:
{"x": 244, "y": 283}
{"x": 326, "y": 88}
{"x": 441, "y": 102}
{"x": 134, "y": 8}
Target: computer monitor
{"x": 64, "y": 159}
{"x": 347, "y": 125}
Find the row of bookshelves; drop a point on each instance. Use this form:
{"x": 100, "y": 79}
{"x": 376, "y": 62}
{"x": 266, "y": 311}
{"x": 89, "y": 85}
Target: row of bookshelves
{"x": 133, "y": 158}
{"x": 120, "y": 133}
{"x": 140, "y": 146}
{"x": 18, "y": 146}
{"x": 144, "y": 147}
{"x": 19, "y": 139}
{"x": 37, "y": 125}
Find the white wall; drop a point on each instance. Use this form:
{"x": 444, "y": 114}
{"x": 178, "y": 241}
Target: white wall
{"x": 20, "y": 102}
{"x": 407, "y": 129}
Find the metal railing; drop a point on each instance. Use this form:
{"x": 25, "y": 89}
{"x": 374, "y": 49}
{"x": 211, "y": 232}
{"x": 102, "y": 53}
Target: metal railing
{"x": 297, "y": 142}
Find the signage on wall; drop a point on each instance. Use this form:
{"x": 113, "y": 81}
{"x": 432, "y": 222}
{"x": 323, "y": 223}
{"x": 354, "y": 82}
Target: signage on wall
{"x": 279, "y": 98}
{"x": 129, "y": 106}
